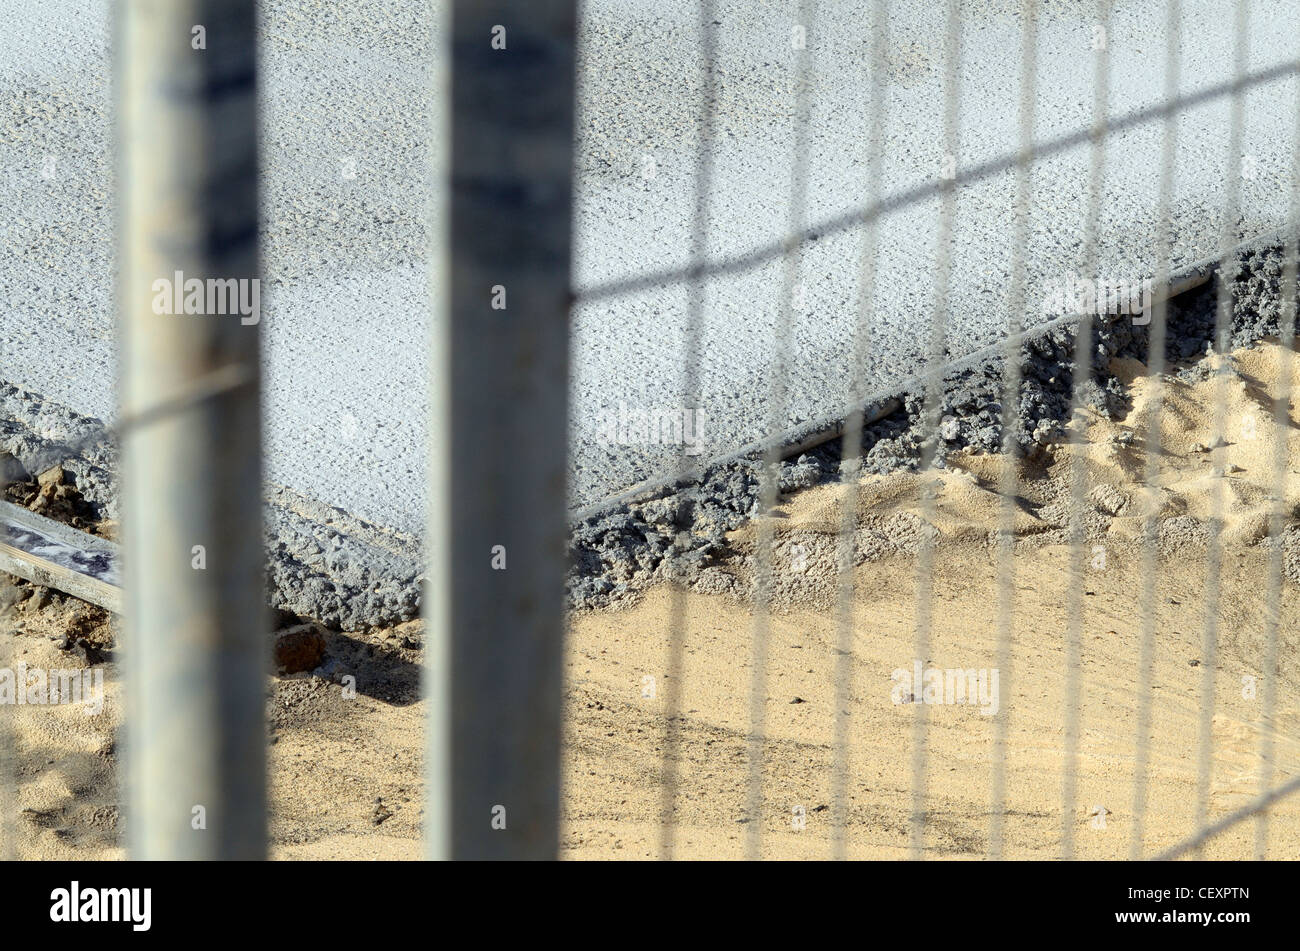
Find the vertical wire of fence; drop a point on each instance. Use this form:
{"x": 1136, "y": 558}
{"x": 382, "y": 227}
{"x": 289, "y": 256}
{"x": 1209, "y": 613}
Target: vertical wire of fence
{"x": 851, "y": 447}
{"x": 494, "y": 601}
{"x": 1077, "y": 438}
{"x": 1155, "y": 369}
{"x": 690, "y": 397}
{"x": 803, "y": 41}
{"x": 195, "y": 648}
{"x": 1011, "y": 423}
{"x": 1270, "y": 669}
{"x": 934, "y": 375}
{"x": 1222, "y": 373}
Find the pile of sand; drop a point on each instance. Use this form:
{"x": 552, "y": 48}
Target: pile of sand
{"x": 346, "y": 779}
{"x": 616, "y": 732}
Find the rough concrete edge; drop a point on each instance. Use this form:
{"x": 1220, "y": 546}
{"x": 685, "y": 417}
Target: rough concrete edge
{"x": 621, "y": 546}
{"x": 326, "y": 564}
{"x": 321, "y": 562}
{"x": 1183, "y": 277}
{"x": 883, "y": 402}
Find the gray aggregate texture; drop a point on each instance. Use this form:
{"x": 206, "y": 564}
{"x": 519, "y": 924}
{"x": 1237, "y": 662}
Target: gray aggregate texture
{"x": 683, "y": 530}
{"x": 344, "y": 301}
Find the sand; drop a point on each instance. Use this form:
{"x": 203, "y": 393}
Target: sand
{"x": 346, "y": 773}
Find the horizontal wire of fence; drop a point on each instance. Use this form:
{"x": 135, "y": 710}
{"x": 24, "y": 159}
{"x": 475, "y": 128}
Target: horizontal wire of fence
{"x": 852, "y": 220}
{"x": 859, "y": 399}
{"x": 929, "y": 383}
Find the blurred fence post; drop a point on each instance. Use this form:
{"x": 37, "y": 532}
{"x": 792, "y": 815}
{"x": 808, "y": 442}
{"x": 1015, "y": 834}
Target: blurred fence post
{"x": 500, "y": 283}
{"x": 196, "y": 638}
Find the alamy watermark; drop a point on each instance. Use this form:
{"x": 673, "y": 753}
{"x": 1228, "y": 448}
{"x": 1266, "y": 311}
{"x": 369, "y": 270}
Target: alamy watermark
{"x": 1076, "y": 295}
{"x": 36, "y": 687}
{"x": 85, "y": 904}
{"x": 934, "y": 685}
{"x": 212, "y": 297}
{"x": 629, "y": 426}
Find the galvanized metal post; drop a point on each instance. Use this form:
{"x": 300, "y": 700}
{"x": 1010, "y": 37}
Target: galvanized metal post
{"x": 196, "y": 640}
{"x": 501, "y": 290}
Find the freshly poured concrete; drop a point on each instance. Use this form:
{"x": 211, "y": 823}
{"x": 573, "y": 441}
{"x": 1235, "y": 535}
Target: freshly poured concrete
{"x": 347, "y": 123}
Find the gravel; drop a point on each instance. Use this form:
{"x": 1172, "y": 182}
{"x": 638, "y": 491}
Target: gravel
{"x": 621, "y": 552}
{"x": 349, "y": 574}
{"x": 322, "y": 563}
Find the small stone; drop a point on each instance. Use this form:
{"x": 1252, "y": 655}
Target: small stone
{"x": 1109, "y": 499}
{"x": 40, "y": 599}
{"x": 50, "y": 477}
{"x": 299, "y": 648}
{"x": 87, "y": 650}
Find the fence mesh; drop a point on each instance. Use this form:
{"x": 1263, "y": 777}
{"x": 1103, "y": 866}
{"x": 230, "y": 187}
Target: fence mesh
{"x": 922, "y": 391}
{"x": 929, "y": 382}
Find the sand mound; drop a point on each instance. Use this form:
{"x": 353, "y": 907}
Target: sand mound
{"x": 346, "y": 779}
{"x": 616, "y": 730}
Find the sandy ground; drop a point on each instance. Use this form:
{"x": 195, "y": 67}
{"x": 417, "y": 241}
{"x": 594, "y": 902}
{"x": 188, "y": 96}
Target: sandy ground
{"x": 346, "y": 772}
{"x": 616, "y": 732}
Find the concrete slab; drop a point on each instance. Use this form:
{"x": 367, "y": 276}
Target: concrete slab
{"x": 346, "y": 144}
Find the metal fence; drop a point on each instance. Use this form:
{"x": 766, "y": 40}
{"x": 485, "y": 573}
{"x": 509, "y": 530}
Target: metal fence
{"x": 503, "y": 189}
{"x": 860, "y": 399}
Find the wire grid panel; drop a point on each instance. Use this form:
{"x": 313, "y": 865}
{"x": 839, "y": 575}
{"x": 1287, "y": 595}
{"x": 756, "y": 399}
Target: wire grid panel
{"x": 1167, "y": 265}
